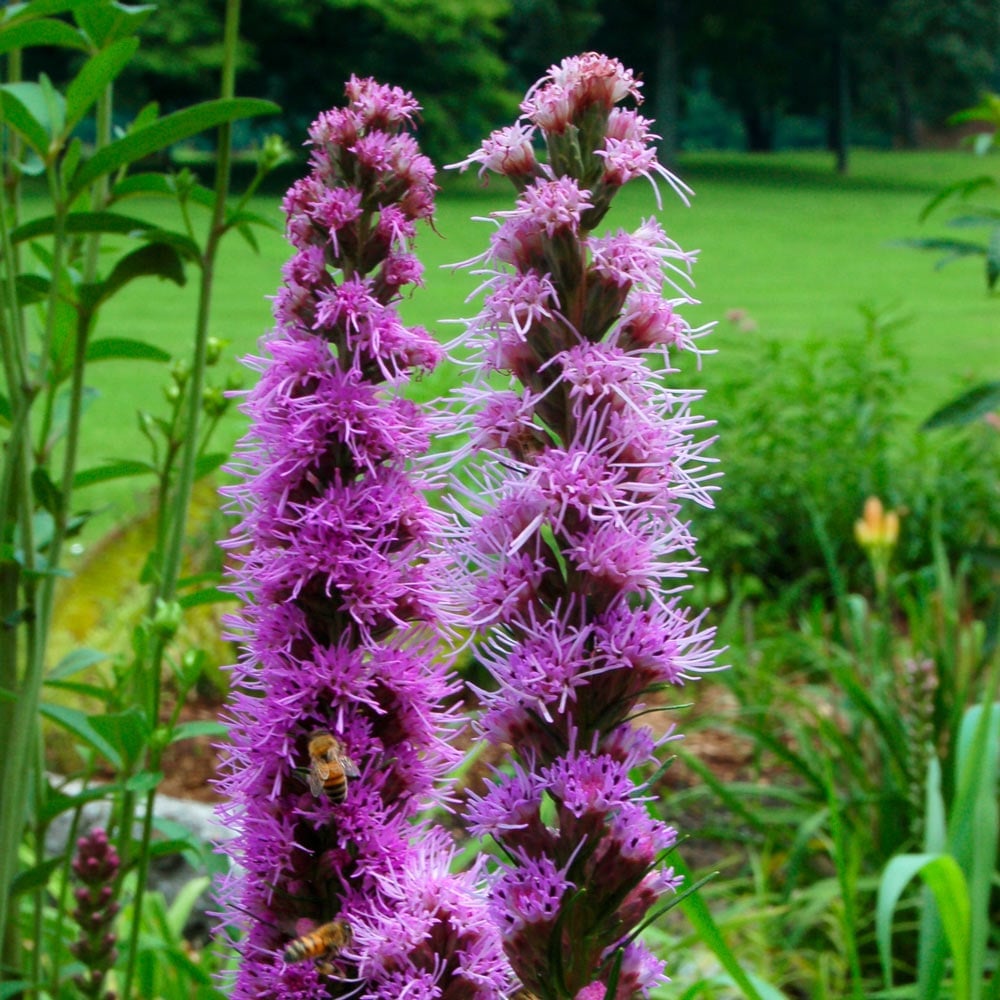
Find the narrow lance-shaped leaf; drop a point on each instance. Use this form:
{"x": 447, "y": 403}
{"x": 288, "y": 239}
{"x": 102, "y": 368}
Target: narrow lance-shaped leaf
{"x": 79, "y": 223}
{"x": 114, "y": 470}
{"x": 970, "y": 406}
{"x": 153, "y": 260}
{"x": 106, "y": 22}
{"x": 993, "y": 258}
{"x": 948, "y": 886}
{"x": 125, "y": 349}
{"x": 19, "y": 13}
{"x": 47, "y": 31}
{"x": 23, "y": 109}
{"x": 961, "y": 189}
{"x": 94, "y": 77}
{"x": 74, "y": 662}
{"x": 165, "y": 132}
{"x": 78, "y": 723}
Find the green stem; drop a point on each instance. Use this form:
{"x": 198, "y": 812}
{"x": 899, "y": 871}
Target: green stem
{"x": 38, "y": 598}
{"x": 38, "y": 901}
{"x": 66, "y": 878}
{"x": 170, "y": 567}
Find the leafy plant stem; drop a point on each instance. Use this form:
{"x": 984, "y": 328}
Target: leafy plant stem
{"x": 165, "y": 586}
{"x": 38, "y": 896}
{"x": 846, "y": 878}
{"x": 39, "y": 599}
{"x": 99, "y": 194}
{"x": 65, "y": 877}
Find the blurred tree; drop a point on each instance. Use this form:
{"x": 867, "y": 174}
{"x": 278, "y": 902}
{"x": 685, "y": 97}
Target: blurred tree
{"x": 925, "y": 57}
{"x": 893, "y": 63}
{"x": 299, "y": 52}
{"x": 538, "y": 33}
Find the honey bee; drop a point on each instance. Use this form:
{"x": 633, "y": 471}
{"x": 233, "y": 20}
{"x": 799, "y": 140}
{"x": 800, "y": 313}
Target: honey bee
{"x": 327, "y": 941}
{"x": 329, "y": 766}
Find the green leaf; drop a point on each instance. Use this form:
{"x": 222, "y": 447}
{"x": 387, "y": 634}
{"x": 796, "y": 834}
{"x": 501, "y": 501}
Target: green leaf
{"x": 987, "y": 110}
{"x": 116, "y": 470}
{"x": 74, "y": 662}
{"x": 36, "y": 877}
{"x": 47, "y": 495}
{"x": 207, "y": 464}
{"x": 80, "y": 689}
{"x": 158, "y": 260}
{"x": 187, "y": 970}
{"x": 24, "y": 109}
{"x": 208, "y": 595}
{"x": 955, "y": 248}
{"x": 970, "y": 406}
{"x": 124, "y": 348}
{"x": 163, "y": 186}
{"x": 105, "y": 222}
{"x": 962, "y": 189}
{"x": 143, "y": 782}
{"x": 17, "y": 13}
{"x": 981, "y": 217}
{"x": 127, "y": 732}
{"x": 46, "y": 31}
{"x": 14, "y": 988}
{"x": 993, "y": 259}
{"x": 57, "y": 802}
{"x": 106, "y": 22}
{"x": 165, "y": 132}
{"x": 700, "y": 917}
{"x": 941, "y": 874}
{"x": 184, "y": 903}
{"x": 31, "y": 288}
{"x": 78, "y": 723}
{"x": 94, "y": 77}
{"x": 243, "y": 217}
{"x": 184, "y": 843}
{"x": 249, "y": 237}
{"x": 197, "y": 727}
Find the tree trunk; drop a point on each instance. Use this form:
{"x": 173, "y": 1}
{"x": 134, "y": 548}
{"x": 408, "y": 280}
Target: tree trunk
{"x": 906, "y": 119}
{"x": 760, "y": 124}
{"x": 666, "y": 96}
{"x": 841, "y": 95}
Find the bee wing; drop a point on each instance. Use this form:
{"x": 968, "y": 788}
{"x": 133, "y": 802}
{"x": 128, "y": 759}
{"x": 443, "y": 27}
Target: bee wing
{"x": 350, "y": 768}
{"x": 318, "y": 773}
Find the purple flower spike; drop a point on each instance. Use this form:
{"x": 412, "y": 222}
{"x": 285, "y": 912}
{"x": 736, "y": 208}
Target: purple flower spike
{"x": 574, "y": 549}
{"x": 336, "y": 714}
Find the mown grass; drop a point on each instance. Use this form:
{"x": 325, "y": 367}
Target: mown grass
{"x": 781, "y": 237}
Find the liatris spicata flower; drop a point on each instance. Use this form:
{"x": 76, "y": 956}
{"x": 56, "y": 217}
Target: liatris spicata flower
{"x": 336, "y": 715}
{"x": 95, "y": 866}
{"x": 579, "y": 554}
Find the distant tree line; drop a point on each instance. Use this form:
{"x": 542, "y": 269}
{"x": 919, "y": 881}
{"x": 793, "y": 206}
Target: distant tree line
{"x": 889, "y": 67}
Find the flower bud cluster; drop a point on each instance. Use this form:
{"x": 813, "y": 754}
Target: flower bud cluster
{"x": 95, "y": 866}
{"x": 573, "y": 533}
{"x": 336, "y": 717}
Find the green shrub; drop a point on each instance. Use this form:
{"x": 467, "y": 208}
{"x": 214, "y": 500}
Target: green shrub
{"x": 807, "y": 432}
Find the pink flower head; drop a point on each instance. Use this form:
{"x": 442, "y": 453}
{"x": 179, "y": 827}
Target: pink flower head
{"x": 337, "y": 712}
{"x": 380, "y": 106}
{"x": 575, "y": 84}
{"x": 554, "y": 206}
{"x": 574, "y": 535}
{"x": 507, "y": 151}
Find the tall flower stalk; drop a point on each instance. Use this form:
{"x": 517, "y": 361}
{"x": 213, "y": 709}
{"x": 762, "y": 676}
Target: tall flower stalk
{"x": 337, "y": 715}
{"x": 577, "y": 554}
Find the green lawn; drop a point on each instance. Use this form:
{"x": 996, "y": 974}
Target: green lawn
{"x": 780, "y": 236}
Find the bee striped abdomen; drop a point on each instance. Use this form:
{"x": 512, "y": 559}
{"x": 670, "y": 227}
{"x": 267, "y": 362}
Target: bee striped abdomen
{"x": 329, "y": 766}
{"x": 325, "y": 940}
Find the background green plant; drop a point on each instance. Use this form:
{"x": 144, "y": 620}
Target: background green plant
{"x": 59, "y": 269}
